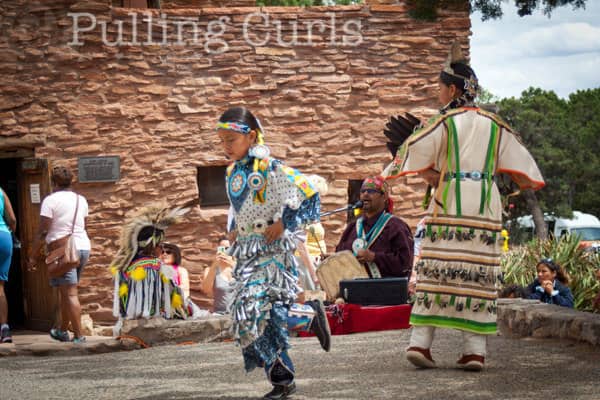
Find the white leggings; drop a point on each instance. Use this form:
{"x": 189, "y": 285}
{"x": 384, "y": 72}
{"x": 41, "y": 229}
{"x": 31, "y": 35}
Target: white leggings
{"x": 473, "y": 343}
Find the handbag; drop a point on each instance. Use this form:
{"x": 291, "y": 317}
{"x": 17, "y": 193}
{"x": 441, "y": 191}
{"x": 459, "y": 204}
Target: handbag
{"x": 62, "y": 255}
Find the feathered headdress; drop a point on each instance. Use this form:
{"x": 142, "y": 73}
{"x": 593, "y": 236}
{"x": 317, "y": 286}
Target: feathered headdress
{"x": 157, "y": 216}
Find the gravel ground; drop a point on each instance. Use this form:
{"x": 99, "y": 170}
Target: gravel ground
{"x": 360, "y": 366}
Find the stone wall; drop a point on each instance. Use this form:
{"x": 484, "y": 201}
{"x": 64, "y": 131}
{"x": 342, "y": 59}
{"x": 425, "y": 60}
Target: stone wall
{"x": 323, "y": 102}
{"x": 530, "y": 318}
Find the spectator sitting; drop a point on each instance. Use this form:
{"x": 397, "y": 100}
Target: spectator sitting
{"x": 217, "y": 279}
{"x": 170, "y": 255}
{"x": 551, "y": 284}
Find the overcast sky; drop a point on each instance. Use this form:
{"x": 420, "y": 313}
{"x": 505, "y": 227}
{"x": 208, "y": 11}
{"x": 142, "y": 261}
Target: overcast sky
{"x": 560, "y": 54}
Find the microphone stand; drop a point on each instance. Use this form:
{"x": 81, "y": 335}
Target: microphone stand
{"x": 349, "y": 207}
{"x": 342, "y": 209}
{"x": 337, "y": 210}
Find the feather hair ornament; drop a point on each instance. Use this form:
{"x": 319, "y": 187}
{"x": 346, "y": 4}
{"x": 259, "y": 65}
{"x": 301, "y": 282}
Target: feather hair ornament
{"x": 455, "y": 56}
{"x": 158, "y": 216}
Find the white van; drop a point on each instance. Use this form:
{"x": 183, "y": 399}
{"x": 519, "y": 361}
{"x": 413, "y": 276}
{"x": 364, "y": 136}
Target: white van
{"x": 586, "y": 226}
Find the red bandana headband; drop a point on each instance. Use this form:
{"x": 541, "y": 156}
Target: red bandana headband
{"x": 376, "y": 182}
{"x": 379, "y": 183}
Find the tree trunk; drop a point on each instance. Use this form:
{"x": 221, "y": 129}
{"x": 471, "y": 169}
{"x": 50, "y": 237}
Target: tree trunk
{"x": 536, "y": 213}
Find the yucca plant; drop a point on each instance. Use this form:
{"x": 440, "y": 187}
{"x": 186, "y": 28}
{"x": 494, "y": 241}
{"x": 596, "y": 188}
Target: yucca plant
{"x": 519, "y": 264}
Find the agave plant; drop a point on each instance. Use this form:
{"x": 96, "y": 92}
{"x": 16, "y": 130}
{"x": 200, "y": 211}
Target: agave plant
{"x": 519, "y": 265}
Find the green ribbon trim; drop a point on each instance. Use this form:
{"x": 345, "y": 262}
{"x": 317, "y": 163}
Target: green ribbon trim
{"x": 484, "y": 328}
{"x": 427, "y": 198}
{"x": 488, "y": 169}
{"x": 449, "y": 168}
{"x": 453, "y": 133}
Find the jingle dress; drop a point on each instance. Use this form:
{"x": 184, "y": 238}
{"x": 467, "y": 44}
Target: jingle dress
{"x": 265, "y": 276}
{"x": 459, "y": 274}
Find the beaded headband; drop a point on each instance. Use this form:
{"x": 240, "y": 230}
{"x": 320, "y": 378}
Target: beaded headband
{"x": 234, "y": 126}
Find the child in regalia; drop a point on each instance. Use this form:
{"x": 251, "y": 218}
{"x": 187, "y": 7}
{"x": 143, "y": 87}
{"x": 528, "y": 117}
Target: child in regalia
{"x": 269, "y": 202}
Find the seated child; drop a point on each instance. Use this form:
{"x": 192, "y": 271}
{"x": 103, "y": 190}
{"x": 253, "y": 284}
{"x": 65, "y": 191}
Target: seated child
{"x": 551, "y": 284}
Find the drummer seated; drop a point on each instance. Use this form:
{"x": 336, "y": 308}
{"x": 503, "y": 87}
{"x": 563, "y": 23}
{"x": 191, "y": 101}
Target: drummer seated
{"x": 379, "y": 240}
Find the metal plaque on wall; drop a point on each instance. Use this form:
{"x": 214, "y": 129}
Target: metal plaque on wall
{"x": 99, "y": 169}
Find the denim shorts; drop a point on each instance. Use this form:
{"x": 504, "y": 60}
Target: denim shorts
{"x": 72, "y": 277}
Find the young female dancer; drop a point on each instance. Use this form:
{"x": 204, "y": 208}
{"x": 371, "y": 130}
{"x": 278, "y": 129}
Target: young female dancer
{"x": 269, "y": 202}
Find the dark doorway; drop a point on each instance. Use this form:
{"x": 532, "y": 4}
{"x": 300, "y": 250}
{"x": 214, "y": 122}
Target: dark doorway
{"x": 14, "y": 286}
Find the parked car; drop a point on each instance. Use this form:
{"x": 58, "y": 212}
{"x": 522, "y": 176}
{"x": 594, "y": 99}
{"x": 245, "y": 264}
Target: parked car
{"x": 586, "y": 226}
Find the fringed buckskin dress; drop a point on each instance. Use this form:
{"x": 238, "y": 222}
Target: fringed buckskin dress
{"x": 459, "y": 272}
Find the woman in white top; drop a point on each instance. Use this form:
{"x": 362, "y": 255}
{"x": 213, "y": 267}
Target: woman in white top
{"x": 57, "y": 212}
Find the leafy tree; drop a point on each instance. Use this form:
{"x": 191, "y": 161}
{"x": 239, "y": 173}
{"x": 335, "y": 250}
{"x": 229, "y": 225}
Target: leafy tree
{"x": 562, "y": 135}
{"x": 490, "y": 9}
{"x": 485, "y": 96}
{"x": 583, "y": 109}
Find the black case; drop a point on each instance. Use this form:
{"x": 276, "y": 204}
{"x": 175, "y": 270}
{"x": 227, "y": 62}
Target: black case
{"x": 380, "y": 291}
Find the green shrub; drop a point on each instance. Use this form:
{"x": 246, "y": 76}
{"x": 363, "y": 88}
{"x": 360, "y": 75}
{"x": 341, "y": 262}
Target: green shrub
{"x": 519, "y": 264}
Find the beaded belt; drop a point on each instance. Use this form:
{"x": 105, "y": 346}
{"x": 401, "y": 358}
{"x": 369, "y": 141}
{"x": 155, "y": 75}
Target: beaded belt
{"x": 473, "y": 175}
{"x": 257, "y": 226}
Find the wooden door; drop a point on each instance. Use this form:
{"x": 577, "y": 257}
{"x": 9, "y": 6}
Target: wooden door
{"x": 40, "y": 300}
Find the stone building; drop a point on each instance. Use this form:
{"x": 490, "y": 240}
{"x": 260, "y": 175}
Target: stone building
{"x": 128, "y": 98}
